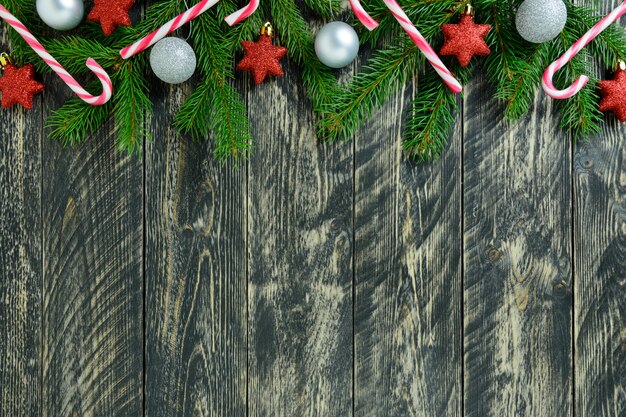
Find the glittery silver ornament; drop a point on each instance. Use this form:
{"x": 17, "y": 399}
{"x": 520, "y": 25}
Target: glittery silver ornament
{"x": 173, "y": 60}
{"x": 540, "y": 21}
{"x": 337, "y": 44}
{"x": 61, "y": 14}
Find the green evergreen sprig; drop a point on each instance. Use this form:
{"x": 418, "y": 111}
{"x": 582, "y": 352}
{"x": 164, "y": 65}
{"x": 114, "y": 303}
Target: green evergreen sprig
{"x": 432, "y": 116}
{"x": 386, "y": 72}
{"x": 215, "y": 109}
{"x": 514, "y": 68}
{"x": 216, "y": 106}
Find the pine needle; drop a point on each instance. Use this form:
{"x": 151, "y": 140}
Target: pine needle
{"x": 216, "y": 111}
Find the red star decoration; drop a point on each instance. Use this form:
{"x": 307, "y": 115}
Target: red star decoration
{"x": 614, "y": 95}
{"x": 111, "y": 14}
{"x": 465, "y": 39}
{"x": 262, "y": 58}
{"x": 18, "y": 86}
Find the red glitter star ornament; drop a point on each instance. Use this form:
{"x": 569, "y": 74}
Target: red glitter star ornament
{"x": 262, "y": 58}
{"x": 111, "y": 14}
{"x": 465, "y": 39}
{"x": 18, "y": 85}
{"x": 614, "y": 94}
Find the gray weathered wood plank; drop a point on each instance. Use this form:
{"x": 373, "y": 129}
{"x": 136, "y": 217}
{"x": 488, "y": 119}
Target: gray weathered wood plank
{"x": 196, "y": 272}
{"x": 517, "y": 273}
{"x": 600, "y": 270}
{"x": 20, "y": 258}
{"x": 93, "y": 282}
{"x": 407, "y": 274}
{"x": 300, "y": 243}
{"x": 600, "y": 290}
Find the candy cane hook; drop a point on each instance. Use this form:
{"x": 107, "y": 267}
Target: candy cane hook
{"x": 579, "y": 84}
{"x": 180, "y": 20}
{"x": 107, "y": 86}
{"x": 242, "y": 14}
{"x": 424, "y": 46}
{"x": 362, "y": 15}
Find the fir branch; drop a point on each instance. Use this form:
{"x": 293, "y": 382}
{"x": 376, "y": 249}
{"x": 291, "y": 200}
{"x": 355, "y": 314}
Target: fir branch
{"x": 379, "y": 79}
{"x": 194, "y": 116}
{"x": 218, "y": 108}
{"x": 326, "y": 9}
{"x": 427, "y": 16}
{"x": 294, "y": 31}
{"x": 385, "y": 73}
{"x": 610, "y": 45}
{"x": 74, "y": 121}
{"x": 155, "y": 16}
{"x": 248, "y": 29}
{"x": 131, "y": 105}
{"x": 72, "y": 52}
{"x": 216, "y": 103}
{"x": 25, "y": 11}
{"x": 519, "y": 92}
{"x": 514, "y": 65}
{"x": 579, "y": 114}
{"x": 432, "y": 117}
{"x": 215, "y": 108}
{"x": 499, "y": 63}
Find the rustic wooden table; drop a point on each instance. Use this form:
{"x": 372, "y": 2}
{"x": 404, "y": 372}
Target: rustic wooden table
{"x": 315, "y": 280}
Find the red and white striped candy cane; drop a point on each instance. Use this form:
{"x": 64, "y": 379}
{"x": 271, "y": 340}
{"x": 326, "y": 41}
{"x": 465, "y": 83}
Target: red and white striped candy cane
{"x": 424, "y": 46}
{"x": 579, "y": 84}
{"x": 180, "y": 20}
{"x": 107, "y": 86}
{"x": 242, "y": 14}
{"x": 362, "y": 15}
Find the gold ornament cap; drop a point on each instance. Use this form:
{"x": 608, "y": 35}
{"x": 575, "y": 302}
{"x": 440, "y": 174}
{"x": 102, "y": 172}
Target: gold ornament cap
{"x": 5, "y": 60}
{"x": 621, "y": 65}
{"x": 469, "y": 9}
{"x": 267, "y": 29}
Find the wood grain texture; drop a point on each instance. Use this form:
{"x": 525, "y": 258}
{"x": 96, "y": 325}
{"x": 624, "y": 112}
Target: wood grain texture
{"x": 600, "y": 270}
{"x": 300, "y": 243}
{"x": 316, "y": 279}
{"x": 93, "y": 281}
{"x": 517, "y": 261}
{"x": 600, "y": 290}
{"x": 196, "y": 258}
{"x": 407, "y": 274}
{"x": 20, "y": 259}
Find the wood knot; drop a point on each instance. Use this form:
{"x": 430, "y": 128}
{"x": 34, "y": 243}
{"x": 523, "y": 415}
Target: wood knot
{"x": 187, "y": 231}
{"x": 559, "y": 289}
{"x": 587, "y": 163}
{"x": 493, "y": 254}
{"x": 335, "y": 225}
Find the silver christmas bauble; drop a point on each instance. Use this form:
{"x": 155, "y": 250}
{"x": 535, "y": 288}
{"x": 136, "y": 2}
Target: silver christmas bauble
{"x": 173, "y": 60}
{"x": 61, "y": 14}
{"x": 337, "y": 44}
{"x": 540, "y": 21}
